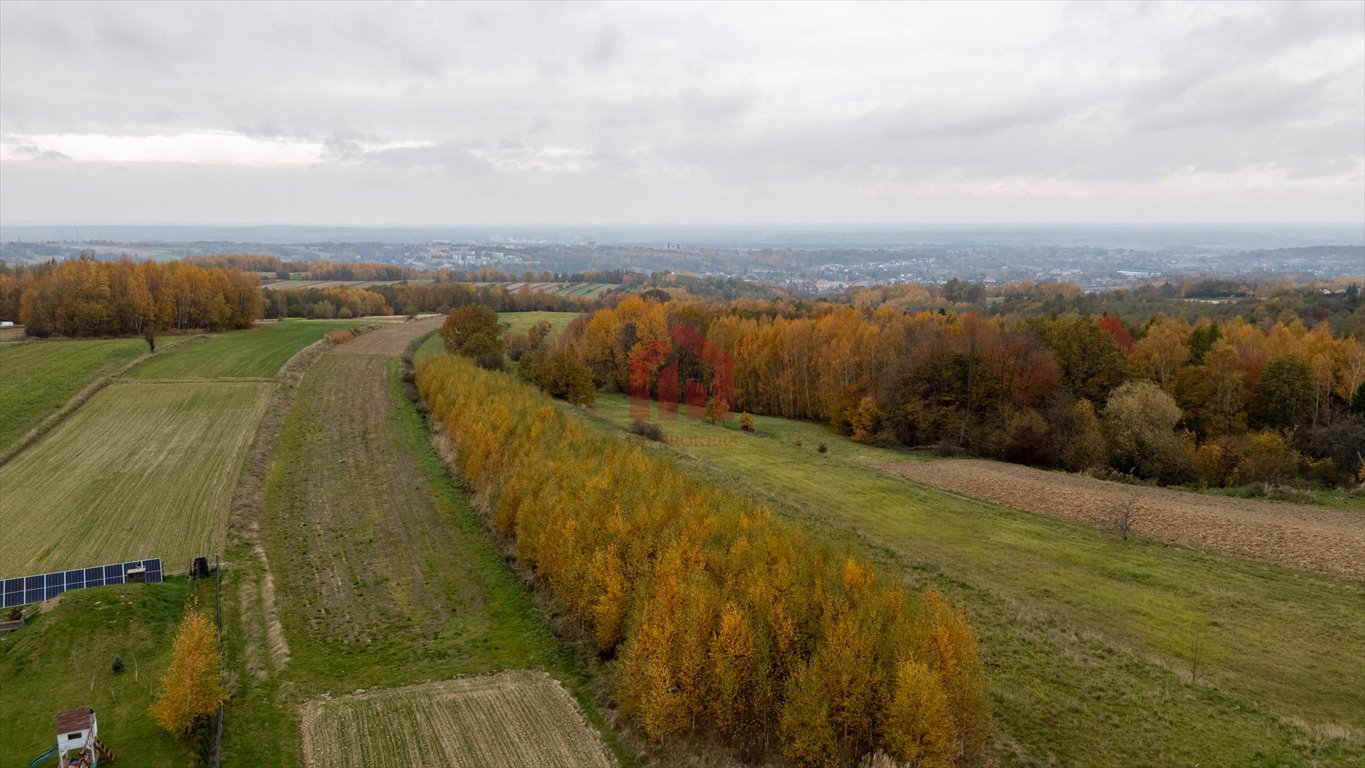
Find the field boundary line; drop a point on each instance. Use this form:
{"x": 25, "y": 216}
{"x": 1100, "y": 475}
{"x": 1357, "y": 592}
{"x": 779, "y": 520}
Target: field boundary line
{"x": 76, "y": 401}
{"x": 208, "y": 380}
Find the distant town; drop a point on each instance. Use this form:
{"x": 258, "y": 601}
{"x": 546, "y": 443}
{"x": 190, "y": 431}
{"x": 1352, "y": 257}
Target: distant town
{"x": 812, "y": 268}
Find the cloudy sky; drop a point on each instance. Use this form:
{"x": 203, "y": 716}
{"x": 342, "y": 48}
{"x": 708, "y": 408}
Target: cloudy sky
{"x": 453, "y": 114}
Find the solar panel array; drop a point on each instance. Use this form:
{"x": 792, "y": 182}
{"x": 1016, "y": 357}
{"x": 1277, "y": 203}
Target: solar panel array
{"x": 45, "y": 586}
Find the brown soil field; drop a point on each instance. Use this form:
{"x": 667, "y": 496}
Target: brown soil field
{"x": 515, "y": 718}
{"x": 390, "y": 339}
{"x": 1310, "y": 538}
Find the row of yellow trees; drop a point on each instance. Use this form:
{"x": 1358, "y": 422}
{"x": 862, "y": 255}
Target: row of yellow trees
{"x": 724, "y": 619}
{"x": 86, "y": 297}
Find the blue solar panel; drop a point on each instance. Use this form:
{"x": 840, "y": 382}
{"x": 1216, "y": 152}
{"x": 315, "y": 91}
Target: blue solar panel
{"x": 23, "y": 590}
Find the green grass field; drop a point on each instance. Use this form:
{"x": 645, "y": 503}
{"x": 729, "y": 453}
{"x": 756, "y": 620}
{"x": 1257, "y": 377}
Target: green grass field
{"x": 37, "y": 378}
{"x": 1101, "y": 651}
{"x": 521, "y": 322}
{"x": 142, "y": 470}
{"x": 255, "y": 353}
{"x": 64, "y": 659}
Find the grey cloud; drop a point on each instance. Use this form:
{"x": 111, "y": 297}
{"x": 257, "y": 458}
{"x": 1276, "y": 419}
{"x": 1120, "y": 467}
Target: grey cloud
{"x": 35, "y": 152}
{"x": 454, "y": 158}
{"x": 807, "y": 99}
{"x": 603, "y": 49}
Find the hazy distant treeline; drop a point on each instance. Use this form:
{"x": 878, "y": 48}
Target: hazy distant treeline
{"x": 411, "y": 299}
{"x": 1259, "y": 301}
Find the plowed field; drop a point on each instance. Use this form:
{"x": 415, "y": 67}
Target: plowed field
{"x": 1310, "y": 538}
{"x": 514, "y": 719}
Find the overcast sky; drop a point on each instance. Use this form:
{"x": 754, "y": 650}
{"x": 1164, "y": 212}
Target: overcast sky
{"x": 455, "y": 114}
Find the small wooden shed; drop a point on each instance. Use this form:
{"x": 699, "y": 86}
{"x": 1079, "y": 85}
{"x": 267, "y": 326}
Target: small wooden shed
{"x": 78, "y": 740}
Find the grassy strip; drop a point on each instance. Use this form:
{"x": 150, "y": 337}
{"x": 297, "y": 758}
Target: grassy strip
{"x": 255, "y": 353}
{"x": 1100, "y": 649}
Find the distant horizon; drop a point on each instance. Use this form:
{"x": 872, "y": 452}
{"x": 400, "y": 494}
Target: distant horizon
{"x": 1149, "y": 236}
{"x": 833, "y": 224}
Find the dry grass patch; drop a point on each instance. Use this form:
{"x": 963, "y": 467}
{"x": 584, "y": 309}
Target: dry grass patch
{"x": 1310, "y": 538}
{"x": 515, "y": 718}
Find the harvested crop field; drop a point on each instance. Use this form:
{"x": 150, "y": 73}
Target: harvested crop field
{"x": 1311, "y": 538}
{"x": 390, "y": 339}
{"x": 142, "y": 470}
{"x": 516, "y": 718}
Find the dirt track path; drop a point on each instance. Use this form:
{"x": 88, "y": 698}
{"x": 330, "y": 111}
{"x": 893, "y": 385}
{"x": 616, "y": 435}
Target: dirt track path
{"x": 1310, "y": 538}
{"x": 389, "y": 339}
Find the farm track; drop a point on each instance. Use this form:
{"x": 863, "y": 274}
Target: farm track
{"x": 380, "y": 576}
{"x": 1310, "y": 538}
{"x": 265, "y": 638}
{"x": 389, "y": 339}
{"x": 513, "y": 719}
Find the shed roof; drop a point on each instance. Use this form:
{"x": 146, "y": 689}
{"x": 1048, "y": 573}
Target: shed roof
{"x": 71, "y": 720}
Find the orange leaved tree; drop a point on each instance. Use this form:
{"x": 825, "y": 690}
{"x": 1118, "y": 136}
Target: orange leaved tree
{"x": 190, "y": 688}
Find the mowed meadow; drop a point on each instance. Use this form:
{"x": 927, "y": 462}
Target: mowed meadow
{"x": 38, "y": 377}
{"x": 147, "y": 466}
{"x": 1100, "y": 651}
